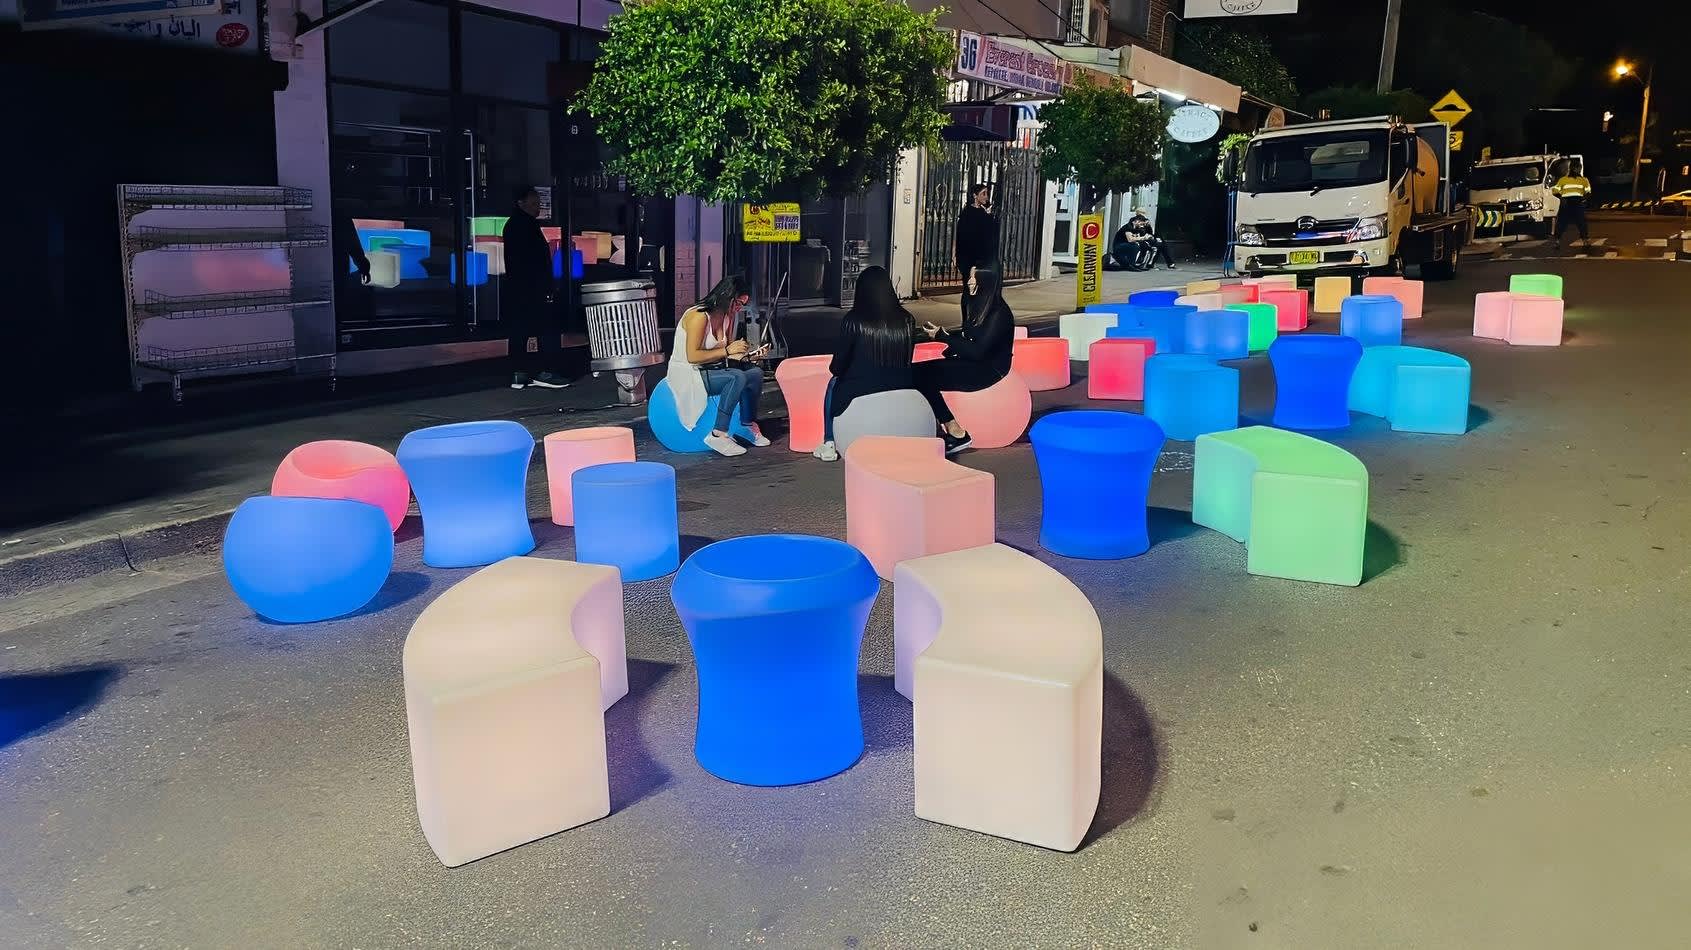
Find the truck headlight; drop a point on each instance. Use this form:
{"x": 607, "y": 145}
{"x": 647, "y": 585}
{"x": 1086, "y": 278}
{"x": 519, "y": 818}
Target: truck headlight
{"x": 1249, "y": 235}
{"x": 1369, "y": 229}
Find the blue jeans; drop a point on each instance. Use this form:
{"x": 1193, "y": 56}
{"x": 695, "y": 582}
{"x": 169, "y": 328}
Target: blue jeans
{"x": 737, "y": 387}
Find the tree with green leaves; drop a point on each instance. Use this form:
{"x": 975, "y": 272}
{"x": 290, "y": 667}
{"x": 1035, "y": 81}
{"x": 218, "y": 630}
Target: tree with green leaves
{"x": 1242, "y": 57}
{"x": 1102, "y": 138}
{"x": 759, "y": 100}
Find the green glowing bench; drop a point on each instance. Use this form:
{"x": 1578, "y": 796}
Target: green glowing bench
{"x": 1540, "y": 285}
{"x": 1299, "y": 504}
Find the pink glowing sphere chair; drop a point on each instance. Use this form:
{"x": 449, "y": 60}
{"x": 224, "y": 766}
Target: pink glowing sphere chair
{"x": 997, "y": 415}
{"x": 804, "y": 385}
{"x": 1042, "y": 362}
{"x": 335, "y": 468}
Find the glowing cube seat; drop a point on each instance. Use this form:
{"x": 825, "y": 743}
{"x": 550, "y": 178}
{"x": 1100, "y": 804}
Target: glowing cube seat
{"x": 625, "y": 516}
{"x": 1491, "y": 314}
{"x": 1373, "y": 319}
{"x": 1002, "y": 659}
{"x": 1291, "y": 307}
{"x": 1535, "y": 320}
{"x": 1417, "y": 389}
{"x": 1538, "y": 285}
{"x": 1408, "y": 293}
{"x": 899, "y": 412}
{"x": 1117, "y": 368}
{"x": 1262, "y": 326}
{"x": 995, "y": 416}
{"x": 1223, "y": 334}
{"x": 1238, "y": 293}
{"x": 1212, "y": 301}
{"x": 1094, "y": 475}
{"x": 335, "y": 468}
{"x": 385, "y": 269}
{"x": 1190, "y": 395}
{"x": 1165, "y": 325}
{"x": 1153, "y": 298}
{"x": 804, "y": 385}
{"x": 1330, "y": 293}
{"x": 1041, "y": 362}
{"x": 1196, "y": 287}
{"x": 904, "y": 500}
{"x": 1080, "y": 329}
{"x": 471, "y": 483}
{"x": 507, "y": 676}
{"x": 571, "y": 450}
{"x": 299, "y": 560}
{"x": 1299, "y": 504}
{"x": 495, "y": 253}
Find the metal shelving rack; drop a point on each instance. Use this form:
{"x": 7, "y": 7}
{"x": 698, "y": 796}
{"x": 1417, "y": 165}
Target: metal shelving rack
{"x": 262, "y": 207}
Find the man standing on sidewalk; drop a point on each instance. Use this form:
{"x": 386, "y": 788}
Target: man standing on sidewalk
{"x": 527, "y": 306}
{"x": 977, "y": 236}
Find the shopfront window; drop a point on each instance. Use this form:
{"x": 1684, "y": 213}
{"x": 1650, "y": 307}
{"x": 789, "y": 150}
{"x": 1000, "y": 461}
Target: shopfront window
{"x": 400, "y": 42}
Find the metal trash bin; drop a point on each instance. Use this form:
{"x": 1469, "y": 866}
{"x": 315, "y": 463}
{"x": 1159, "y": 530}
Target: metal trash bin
{"x": 622, "y": 333}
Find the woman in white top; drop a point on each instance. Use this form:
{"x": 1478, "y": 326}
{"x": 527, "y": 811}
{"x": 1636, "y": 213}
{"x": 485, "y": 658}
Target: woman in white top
{"x": 706, "y": 363}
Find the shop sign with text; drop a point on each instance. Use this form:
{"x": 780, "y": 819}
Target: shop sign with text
{"x": 1089, "y": 273}
{"x": 994, "y": 61}
{"x": 770, "y": 224}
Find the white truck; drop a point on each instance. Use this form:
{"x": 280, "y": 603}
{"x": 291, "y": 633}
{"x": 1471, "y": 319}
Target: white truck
{"x": 1368, "y": 196}
{"x": 1512, "y": 197}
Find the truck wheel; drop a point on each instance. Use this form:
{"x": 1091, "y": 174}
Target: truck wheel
{"x": 1445, "y": 269}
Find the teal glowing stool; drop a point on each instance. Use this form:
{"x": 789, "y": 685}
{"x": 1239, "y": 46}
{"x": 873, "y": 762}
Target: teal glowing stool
{"x": 1417, "y": 389}
{"x": 1300, "y": 505}
{"x": 1539, "y": 285}
{"x": 1190, "y": 395}
{"x": 1263, "y": 325}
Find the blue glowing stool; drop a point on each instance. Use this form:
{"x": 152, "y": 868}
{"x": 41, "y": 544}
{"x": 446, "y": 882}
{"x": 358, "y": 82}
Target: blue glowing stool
{"x": 1190, "y": 395}
{"x": 666, "y": 425}
{"x": 296, "y": 560}
{"x": 1154, "y": 298}
{"x": 1218, "y": 334}
{"x": 625, "y": 517}
{"x": 475, "y": 274}
{"x": 1373, "y": 319}
{"x": 471, "y": 483}
{"x": 1165, "y": 325}
{"x": 1094, "y": 475}
{"x": 1417, "y": 389}
{"x": 776, "y": 625}
{"x": 1312, "y": 380}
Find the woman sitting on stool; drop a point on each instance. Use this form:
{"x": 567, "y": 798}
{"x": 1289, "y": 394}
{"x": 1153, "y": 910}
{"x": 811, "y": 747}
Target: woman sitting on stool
{"x": 977, "y": 355}
{"x": 707, "y": 362}
{"x": 872, "y": 354}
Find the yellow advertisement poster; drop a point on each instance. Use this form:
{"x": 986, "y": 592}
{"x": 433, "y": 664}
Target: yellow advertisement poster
{"x": 1089, "y": 275}
{"x": 770, "y": 224}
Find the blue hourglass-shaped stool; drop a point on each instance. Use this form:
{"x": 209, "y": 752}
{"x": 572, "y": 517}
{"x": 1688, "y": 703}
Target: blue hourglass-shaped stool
{"x": 625, "y": 516}
{"x": 1312, "y": 380}
{"x": 1190, "y": 395}
{"x": 1373, "y": 319}
{"x": 1094, "y": 475}
{"x": 776, "y": 625}
{"x": 296, "y": 560}
{"x": 471, "y": 483}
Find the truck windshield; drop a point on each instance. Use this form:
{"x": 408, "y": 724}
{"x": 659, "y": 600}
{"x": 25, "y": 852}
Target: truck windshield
{"x": 1488, "y": 177}
{"x": 1319, "y": 160}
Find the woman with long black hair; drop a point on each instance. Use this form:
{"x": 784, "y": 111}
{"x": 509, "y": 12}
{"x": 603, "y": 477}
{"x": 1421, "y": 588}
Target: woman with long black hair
{"x": 977, "y": 355}
{"x": 872, "y": 353}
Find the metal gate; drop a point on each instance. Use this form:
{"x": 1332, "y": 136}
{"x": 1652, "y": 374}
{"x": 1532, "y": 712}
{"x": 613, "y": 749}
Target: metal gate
{"x": 1018, "y": 198}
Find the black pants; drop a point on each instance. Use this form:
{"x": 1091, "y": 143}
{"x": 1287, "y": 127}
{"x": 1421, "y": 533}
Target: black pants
{"x": 531, "y": 315}
{"x": 1572, "y": 212}
{"x": 1158, "y": 246}
{"x": 951, "y": 375}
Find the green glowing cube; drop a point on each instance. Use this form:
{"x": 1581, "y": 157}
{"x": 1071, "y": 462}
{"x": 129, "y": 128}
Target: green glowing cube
{"x": 1299, "y": 504}
{"x": 487, "y": 227}
{"x": 1540, "y": 285}
{"x": 1264, "y": 324}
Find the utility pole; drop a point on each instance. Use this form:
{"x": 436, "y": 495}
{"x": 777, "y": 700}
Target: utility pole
{"x": 1643, "y": 123}
{"x": 1388, "y": 47}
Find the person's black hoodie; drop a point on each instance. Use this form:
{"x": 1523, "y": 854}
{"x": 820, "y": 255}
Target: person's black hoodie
{"x": 977, "y": 239}
{"x": 528, "y": 258}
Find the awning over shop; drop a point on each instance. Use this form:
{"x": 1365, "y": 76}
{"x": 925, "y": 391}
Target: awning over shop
{"x": 1177, "y": 80}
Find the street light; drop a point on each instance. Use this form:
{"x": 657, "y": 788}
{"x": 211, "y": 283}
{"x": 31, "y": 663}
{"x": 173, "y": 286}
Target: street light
{"x": 1624, "y": 69}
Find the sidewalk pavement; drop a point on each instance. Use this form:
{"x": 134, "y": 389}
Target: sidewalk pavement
{"x": 1038, "y": 302}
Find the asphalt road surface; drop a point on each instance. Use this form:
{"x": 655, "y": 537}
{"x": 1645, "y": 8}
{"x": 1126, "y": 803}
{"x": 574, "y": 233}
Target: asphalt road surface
{"x": 1487, "y": 744}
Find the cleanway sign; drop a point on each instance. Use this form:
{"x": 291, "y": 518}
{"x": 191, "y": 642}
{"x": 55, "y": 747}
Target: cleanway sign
{"x": 1089, "y": 274}
{"x": 1214, "y": 8}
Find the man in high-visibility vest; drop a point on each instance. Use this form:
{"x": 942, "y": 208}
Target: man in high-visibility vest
{"x": 1572, "y": 189}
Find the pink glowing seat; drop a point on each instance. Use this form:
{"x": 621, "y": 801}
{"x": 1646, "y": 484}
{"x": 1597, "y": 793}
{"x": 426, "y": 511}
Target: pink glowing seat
{"x": 804, "y": 385}
{"x": 997, "y": 415}
{"x": 1210, "y": 301}
{"x": 574, "y": 449}
{"x": 1117, "y": 369}
{"x": 1491, "y": 314}
{"x": 1042, "y": 362}
{"x": 1238, "y": 293}
{"x": 930, "y": 350}
{"x": 335, "y": 468}
{"x": 905, "y": 500}
{"x": 1291, "y": 304}
{"x": 1535, "y": 321}
{"x": 1407, "y": 292}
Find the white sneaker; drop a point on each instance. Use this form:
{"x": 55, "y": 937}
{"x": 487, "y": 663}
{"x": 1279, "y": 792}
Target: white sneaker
{"x": 827, "y": 453}
{"x": 758, "y": 438}
{"x": 723, "y": 445}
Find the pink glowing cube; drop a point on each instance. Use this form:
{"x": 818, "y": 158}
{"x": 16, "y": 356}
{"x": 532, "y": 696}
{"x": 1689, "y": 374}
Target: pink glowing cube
{"x": 1238, "y": 293}
{"x": 1021, "y": 333}
{"x": 1210, "y": 301}
{"x": 804, "y": 385}
{"x": 1491, "y": 314}
{"x": 1042, "y": 362}
{"x": 905, "y": 500}
{"x": 931, "y": 350}
{"x": 997, "y": 415}
{"x": 1407, "y": 292}
{"x": 574, "y": 449}
{"x": 1117, "y": 368}
{"x": 335, "y": 468}
{"x": 1291, "y": 304}
{"x": 1535, "y": 321}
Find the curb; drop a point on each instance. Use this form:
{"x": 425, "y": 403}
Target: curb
{"x": 121, "y": 552}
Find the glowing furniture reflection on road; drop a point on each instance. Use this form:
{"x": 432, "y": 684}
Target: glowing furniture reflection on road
{"x": 902, "y": 412}
{"x": 1312, "y": 380}
{"x": 1330, "y": 293}
{"x": 1117, "y": 368}
{"x": 1374, "y": 320}
{"x": 1300, "y": 505}
{"x": 804, "y": 384}
{"x": 507, "y": 676}
{"x": 1291, "y": 307}
{"x": 1407, "y": 292}
{"x": 625, "y": 516}
{"x": 1190, "y": 395}
{"x": 997, "y": 415}
{"x": 666, "y": 425}
{"x": 1417, "y": 389}
{"x": 1041, "y": 362}
{"x": 905, "y": 500}
{"x": 776, "y": 625}
{"x": 574, "y": 449}
{"x": 1002, "y": 659}
{"x": 299, "y": 560}
{"x": 1094, "y": 475}
{"x": 335, "y": 468}
{"x": 1538, "y": 285}
{"x": 471, "y": 483}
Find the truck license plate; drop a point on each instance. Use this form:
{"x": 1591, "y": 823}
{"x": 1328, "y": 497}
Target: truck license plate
{"x": 1304, "y": 257}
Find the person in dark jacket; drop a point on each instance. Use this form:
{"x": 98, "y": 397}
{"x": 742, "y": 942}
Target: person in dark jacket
{"x": 977, "y": 355}
{"x": 977, "y": 236}
{"x": 872, "y": 353}
{"x": 526, "y": 302}
{"x": 1140, "y": 227}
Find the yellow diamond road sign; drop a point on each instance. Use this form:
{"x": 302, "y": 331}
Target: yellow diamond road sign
{"x": 1452, "y": 108}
